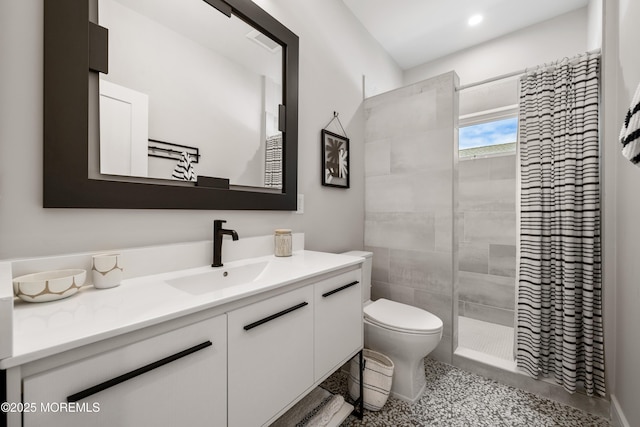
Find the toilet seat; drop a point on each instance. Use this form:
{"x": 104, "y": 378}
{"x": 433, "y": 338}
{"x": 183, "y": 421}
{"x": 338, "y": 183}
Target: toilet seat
{"x": 402, "y": 317}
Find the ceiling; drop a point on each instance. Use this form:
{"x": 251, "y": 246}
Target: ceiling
{"x": 419, "y": 31}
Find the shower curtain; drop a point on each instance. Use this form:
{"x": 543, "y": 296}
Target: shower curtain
{"x": 559, "y": 322}
{"x": 273, "y": 162}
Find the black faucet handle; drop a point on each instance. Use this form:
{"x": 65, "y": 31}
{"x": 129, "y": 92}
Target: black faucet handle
{"x": 218, "y": 222}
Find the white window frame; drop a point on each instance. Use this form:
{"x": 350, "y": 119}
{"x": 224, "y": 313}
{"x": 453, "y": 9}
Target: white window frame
{"x": 488, "y": 116}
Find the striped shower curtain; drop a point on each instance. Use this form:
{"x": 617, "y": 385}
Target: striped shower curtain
{"x": 559, "y": 321}
{"x": 273, "y": 162}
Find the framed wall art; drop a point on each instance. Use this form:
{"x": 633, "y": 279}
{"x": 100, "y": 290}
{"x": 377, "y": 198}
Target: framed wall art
{"x": 335, "y": 160}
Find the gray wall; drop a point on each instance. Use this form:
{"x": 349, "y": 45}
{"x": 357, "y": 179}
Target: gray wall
{"x": 487, "y": 258}
{"x": 410, "y": 181}
{"x": 330, "y": 80}
{"x": 622, "y": 221}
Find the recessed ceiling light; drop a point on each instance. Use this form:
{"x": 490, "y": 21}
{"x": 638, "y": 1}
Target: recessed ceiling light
{"x": 475, "y": 20}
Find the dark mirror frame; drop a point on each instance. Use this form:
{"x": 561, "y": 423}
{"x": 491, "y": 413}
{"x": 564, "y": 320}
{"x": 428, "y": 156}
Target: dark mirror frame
{"x": 66, "y": 124}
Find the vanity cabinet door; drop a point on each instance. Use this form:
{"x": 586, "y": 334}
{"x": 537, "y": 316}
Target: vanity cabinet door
{"x": 177, "y": 378}
{"x": 338, "y": 321}
{"x": 270, "y": 356}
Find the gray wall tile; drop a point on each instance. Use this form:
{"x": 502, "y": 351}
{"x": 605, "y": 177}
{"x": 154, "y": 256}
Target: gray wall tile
{"x": 415, "y": 192}
{"x": 437, "y": 304}
{"x": 447, "y": 111}
{"x": 502, "y": 167}
{"x": 473, "y": 170}
{"x": 485, "y": 289}
{"x": 436, "y": 190}
{"x": 391, "y": 193}
{"x": 402, "y": 294}
{"x": 427, "y": 151}
{"x": 405, "y": 116}
{"x": 444, "y": 224}
{"x": 398, "y": 95}
{"x": 443, "y": 352}
{"x": 380, "y": 290}
{"x": 487, "y": 202}
{"x": 474, "y": 257}
{"x": 377, "y": 158}
{"x": 380, "y": 263}
{"x": 492, "y": 196}
{"x": 410, "y": 190}
{"x": 502, "y": 260}
{"x": 491, "y": 227}
{"x": 413, "y": 231}
{"x": 489, "y": 314}
{"x": 430, "y": 271}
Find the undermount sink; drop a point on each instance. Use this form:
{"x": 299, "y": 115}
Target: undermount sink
{"x": 219, "y": 278}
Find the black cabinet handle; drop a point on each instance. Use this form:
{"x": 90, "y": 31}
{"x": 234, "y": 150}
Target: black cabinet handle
{"x": 125, "y": 377}
{"x": 341, "y": 288}
{"x": 274, "y": 316}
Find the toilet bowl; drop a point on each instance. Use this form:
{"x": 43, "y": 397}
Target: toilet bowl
{"x": 404, "y": 333}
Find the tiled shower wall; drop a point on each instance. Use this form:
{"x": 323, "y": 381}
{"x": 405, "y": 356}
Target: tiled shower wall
{"x": 487, "y": 256}
{"x": 411, "y": 157}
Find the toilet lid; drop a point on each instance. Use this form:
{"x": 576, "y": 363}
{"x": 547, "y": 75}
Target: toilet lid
{"x": 402, "y": 317}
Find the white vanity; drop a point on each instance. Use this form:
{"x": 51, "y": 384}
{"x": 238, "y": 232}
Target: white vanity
{"x": 170, "y": 348}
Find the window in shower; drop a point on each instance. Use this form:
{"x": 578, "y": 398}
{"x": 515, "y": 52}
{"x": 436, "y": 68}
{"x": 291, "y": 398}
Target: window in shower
{"x": 487, "y": 177}
{"x": 488, "y": 138}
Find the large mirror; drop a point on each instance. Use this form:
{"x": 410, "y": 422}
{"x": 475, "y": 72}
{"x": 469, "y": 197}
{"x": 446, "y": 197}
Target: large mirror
{"x": 205, "y": 86}
{"x": 178, "y": 86}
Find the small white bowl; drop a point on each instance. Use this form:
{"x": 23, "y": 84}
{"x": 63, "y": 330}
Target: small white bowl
{"x": 48, "y": 285}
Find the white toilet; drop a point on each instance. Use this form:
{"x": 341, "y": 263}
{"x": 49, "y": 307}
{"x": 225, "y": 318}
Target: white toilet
{"x": 404, "y": 333}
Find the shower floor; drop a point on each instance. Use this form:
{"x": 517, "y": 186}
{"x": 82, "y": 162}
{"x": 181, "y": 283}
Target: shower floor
{"x": 484, "y": 337}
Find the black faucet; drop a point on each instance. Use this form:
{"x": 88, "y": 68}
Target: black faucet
{"x": 218, "y": 232}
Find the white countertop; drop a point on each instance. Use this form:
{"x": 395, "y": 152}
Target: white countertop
{"x": 44, "y": 329}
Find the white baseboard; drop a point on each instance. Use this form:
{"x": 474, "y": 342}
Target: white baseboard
{"x": 617, "y": 416}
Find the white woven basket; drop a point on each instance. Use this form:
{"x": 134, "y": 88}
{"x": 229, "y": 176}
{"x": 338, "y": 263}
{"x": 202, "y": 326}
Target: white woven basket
{"x": 377, "y": 379}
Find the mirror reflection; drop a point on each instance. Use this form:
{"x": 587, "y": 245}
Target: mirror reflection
{"x": 189, "y": 92}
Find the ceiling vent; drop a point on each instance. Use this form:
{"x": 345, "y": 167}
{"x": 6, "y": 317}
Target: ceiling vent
{"x": 264, "y": 41}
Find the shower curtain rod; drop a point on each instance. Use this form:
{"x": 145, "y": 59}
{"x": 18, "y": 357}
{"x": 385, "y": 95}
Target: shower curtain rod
{"x": 517, "y": 73}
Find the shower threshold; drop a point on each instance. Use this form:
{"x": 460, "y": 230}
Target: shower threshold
{"x": 487, "y": 359}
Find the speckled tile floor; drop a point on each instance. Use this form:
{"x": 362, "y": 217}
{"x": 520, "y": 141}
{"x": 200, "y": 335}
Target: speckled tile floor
{"x": 454, "y": 397}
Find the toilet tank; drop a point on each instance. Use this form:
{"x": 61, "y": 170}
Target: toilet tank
{"x": 366, "y": 272}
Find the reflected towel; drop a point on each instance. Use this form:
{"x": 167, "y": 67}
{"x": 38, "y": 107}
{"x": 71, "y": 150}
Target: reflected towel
{"x": 184, "y": 169}
{"x": 630, "y": 133}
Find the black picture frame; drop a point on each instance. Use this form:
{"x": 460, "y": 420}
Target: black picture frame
{"x": 335, "y": 160}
